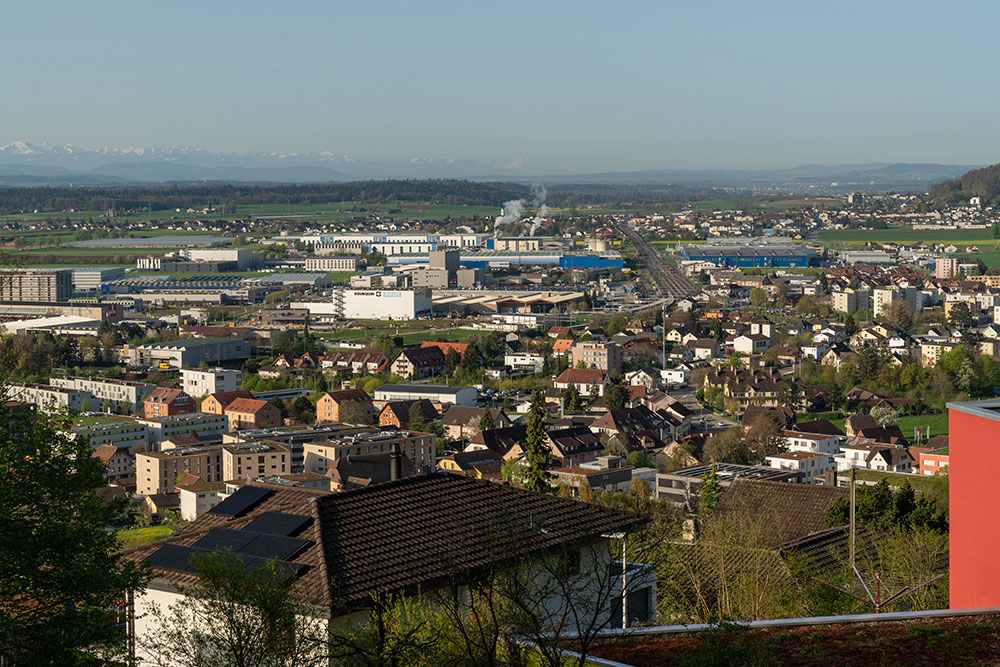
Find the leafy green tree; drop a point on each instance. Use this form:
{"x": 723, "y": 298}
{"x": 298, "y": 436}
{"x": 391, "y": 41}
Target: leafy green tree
{"x": 571, "y": 399}
{"x": 514, "y": 471}
{"x": 59, "y": 570}
{"x": 235, "y": 616}
{"x": 536, "y": 450}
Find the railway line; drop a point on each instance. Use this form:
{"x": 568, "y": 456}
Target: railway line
{"x": 667, "y": 283}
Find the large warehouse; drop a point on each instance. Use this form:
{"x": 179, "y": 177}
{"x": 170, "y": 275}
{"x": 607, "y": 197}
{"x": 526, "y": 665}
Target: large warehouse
{"x": 502, "y": 259}
{"x": 371, "y": 304}
{"x": 745, "y": 256}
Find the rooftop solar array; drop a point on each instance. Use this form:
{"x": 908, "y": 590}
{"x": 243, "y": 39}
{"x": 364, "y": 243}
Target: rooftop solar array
{"x": 259, "y": 545}
{"x": 178, "y": 558}
{"x": 277, "y": 523}
{"x": 240, "y": 502}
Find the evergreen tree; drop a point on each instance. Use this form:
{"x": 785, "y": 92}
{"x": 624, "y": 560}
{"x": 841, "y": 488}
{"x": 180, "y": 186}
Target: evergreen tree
{"x": 535, "y": 449}
{"x": 710, "y": 492}
{"x": 614, "y": 397}
{"x": 486, "y": 421}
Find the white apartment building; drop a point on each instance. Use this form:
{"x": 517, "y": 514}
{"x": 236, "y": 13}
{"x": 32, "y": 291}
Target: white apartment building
{"x": 418, "y": 447}
{"x": 182, "y": 426}
{"x": 51, "y": 398}
{"x": 810, "y": 465}
{"x": 813, "y": 442}
{"x": 332, "y": 264}
{"x": 121, "y": 434}
{"x": 204, "y": 381}
{"x": 119, "y": 393}
{"x": 526, "y": 362}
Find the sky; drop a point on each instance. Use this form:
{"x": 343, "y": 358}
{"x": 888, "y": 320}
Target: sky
{"x": 578, "y": 86}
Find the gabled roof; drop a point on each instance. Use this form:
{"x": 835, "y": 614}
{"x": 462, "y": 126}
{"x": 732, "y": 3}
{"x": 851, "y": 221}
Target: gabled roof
{"x": 226, "y": 397}
{"x": 819, "y": 426}
{"x": 402, "y": 409}
{"x": 349, "y": 395}
{"x": 422, "y": 357}
{"x": 247, "y": 406}
{"x": 790, "y": 511}
{"x": 419, "y": 531}
{"x": 581, "y": 376}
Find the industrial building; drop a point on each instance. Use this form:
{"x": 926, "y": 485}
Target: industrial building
{"x": 371, "y": 304}
{"x": 101, "y": 311}
{"x": 90, "y": 279}
{"x": 750, "y": 256}
{"x": 458, "y": 303}
{"x": 498, "y": 259}
{"x": 36, "y": 285}
{"x": 187, "y": 352}
{"x": 435, "y": 393}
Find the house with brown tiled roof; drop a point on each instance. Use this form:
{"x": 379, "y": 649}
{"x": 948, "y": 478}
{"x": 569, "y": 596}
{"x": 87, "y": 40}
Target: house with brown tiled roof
{"x": 445, "y": 346}
{"x": 352, "y": 472}
{"x": 588, "y": 381}
{"x": 251, "y": 413}
{"x": 117, "y": 461}
{"x": 335, "y": 406}
{"x": 504, "y": 441}
{"x": 397, "y": 413}
{"x": 418, "y": 362}
{"x": 477, "y": 463}
{"x": 165, "y": 402}
{"x": 217, "y": 403}
{"x": 416, "y": 535}
{"x": 462, "y": 422}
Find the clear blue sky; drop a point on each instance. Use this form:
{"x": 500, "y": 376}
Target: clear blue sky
{"x": 586, "y": 86}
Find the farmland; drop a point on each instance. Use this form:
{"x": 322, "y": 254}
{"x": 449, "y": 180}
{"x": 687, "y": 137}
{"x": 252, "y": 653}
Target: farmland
{"x": 907, "y": 235}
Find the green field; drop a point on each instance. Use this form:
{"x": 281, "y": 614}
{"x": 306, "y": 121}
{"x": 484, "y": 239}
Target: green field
{"x": 134, "y": 537}
{"x": 907, "y": 235}
{"x": 938, "y": 423}
{"x": 409, "y": 337}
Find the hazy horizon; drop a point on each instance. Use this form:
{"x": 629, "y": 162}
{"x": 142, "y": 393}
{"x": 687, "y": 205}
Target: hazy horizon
{"x": 583, "y": 88}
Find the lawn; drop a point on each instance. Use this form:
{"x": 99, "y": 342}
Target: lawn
{"x": 409, "y": 337}
{"x": 938, "y": 423}
{"x": 979, "y": 237}
{"x": 134, "y": 537}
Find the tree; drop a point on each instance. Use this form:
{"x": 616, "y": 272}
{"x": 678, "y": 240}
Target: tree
{"x": 884, "y": 415}
{"x": 959, "y": 316}
{"x": 765, "y": 437}
{"x": 486, "y": 421}
{"x": 234, "y": 616}
{"x": 571, "y": 398}
{"x": 59, "y": 570}
{"x": 726, "y": 447}
{"x": 758, "y": 297}
{"x": 536, "y": 450}
{"x": 615, "y": 397}
{"x": 417, "y": 419}
{"x": 850, "y": 326}
{"x": 710, "y": 492}
{"x": 451, "y": 361}
{"x": 898, "y": 315}
{"x": 303, "y": 410}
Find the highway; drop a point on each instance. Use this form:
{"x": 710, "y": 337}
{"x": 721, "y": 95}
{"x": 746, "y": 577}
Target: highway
{"x": 667, "y": 283}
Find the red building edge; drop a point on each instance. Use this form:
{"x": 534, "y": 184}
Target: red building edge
{"x": 974, "y": 502}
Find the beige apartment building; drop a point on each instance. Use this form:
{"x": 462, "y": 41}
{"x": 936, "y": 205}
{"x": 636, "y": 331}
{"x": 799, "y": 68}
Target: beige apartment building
{"x": 605, "y": 356}
{"x": 418, "y": 447}
{"x": 36, "y": 285}
{"x": 158, "y": 472}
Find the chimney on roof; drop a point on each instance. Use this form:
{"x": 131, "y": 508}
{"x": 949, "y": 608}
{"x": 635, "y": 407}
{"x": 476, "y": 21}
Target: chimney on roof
{"x": 395, "y": 463}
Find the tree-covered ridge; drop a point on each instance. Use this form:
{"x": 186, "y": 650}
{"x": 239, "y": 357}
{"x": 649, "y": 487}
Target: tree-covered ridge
{"x": 983, "y": 183}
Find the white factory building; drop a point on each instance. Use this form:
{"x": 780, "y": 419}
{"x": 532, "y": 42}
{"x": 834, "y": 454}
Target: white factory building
{"x": 371, "y": 304}
{"x": 435, "y": 393}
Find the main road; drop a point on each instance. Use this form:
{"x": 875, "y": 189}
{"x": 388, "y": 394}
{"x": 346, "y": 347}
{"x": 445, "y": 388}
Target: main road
{"x": 668, "y": 283}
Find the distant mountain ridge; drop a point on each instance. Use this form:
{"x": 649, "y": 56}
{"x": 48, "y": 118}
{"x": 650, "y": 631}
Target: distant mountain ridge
{"x": 24, "y": 164}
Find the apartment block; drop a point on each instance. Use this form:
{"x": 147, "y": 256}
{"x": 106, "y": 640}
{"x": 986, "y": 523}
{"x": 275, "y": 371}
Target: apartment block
{"x": 605, "y": 356}
{"x": 51, "y": 398}
{"x": 181, "y": 426}
{"x": 203, "y": 381}
{"x": 119, "y": 393}
{"x": 332, "y": 264}
{"x": 419, "y": 448}
{"x": 36, "y": 285}
{"x": 156, "y": 472}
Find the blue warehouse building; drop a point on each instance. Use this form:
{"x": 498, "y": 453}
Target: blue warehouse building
{"x": 746, "y": 257}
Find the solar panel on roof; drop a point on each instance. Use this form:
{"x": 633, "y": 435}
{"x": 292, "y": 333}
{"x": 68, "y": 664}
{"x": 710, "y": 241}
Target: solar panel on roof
{"x": 272, "y": 546}
{"x": 240, "y": 502}
{"x": 221, "y": 538}
{"x": 277, "y": 523}
{"x": 173, "y": 557}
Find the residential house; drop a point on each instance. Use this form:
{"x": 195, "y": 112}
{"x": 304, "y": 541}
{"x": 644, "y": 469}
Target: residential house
{"x": 874, "y": 456}
{"x": 397, "y": 413}
{"x": 811, "y": 466}
{"x": 216, "y": 404}
{"x": 462, "y": 422}
{"x": 117, "y": 461}
{"x": 418, "y": 362}
{"x": 166, "y": 402}
{"x": 251, "y": 413}
{"x": 351, "y": 405}
{"x": 588, "y": 381}
{"x": 352, "y": 472}
{"x": 478, "y": 463}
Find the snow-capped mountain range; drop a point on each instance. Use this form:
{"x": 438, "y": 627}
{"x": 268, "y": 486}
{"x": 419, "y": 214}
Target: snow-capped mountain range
{"x": 27, "y": 164}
